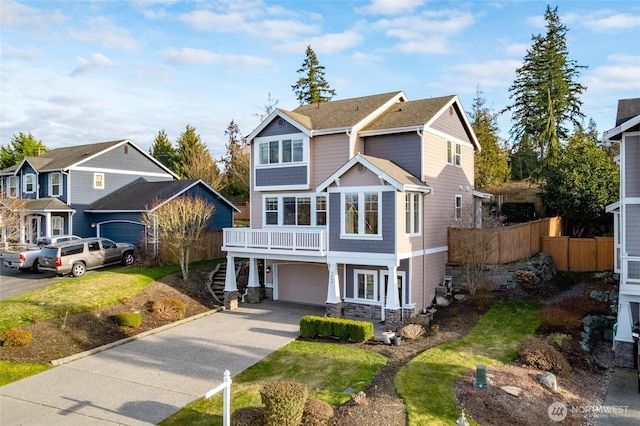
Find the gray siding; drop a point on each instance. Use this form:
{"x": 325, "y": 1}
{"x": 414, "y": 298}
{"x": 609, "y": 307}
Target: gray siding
{"x": 274, "y": 128}
{"x": 633, "y": 229}
{"x": 285, "y": 176}
{"x": 404, "y": 267}
{"x": 403, "y": 149}
{"x": 388, "y": 243}
{"x": 632, "y": 166}
{"x": 124, "y": 157}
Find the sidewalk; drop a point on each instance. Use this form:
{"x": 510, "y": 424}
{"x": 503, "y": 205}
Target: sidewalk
{"x": 145, "y": 381}
{"x": 623, "y": 398}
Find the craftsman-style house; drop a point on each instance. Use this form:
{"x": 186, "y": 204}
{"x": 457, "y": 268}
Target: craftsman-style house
{"x": 350, "y": 204}
{"x": 627, "y": 228}
{"x": 98, "y": 189}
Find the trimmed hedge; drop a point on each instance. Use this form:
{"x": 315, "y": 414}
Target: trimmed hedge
{"x": 312, "y": 326}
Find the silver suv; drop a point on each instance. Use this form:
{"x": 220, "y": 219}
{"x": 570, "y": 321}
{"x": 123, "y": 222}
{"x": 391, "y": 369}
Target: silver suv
{"x": 78, "y": 256}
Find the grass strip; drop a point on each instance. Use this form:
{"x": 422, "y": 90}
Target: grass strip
{"x": 11, "y": 371}
{"x": 426, "y": 383}
{"x": 332, "y": 373}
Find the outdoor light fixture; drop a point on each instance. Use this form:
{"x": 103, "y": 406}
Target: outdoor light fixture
{"x": 268, "y": 269}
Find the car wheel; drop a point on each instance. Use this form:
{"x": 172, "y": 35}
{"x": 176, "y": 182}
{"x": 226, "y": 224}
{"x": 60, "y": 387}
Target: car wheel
{"x": 36, "y": 267}
{"x": 78, "y": 269}
{"x": 127, "y": 259}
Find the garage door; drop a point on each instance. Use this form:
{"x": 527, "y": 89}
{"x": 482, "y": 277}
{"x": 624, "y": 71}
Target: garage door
{"x": 123, "y": 232}
{"x": 302, "y": 283}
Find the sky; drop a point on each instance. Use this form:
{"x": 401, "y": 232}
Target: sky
{"x": 78, "y": 72}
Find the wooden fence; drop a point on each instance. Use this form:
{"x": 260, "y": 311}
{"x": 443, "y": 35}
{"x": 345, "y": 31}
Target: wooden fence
{"x": 210, "y": 248}
{"x": 516, "y": 242}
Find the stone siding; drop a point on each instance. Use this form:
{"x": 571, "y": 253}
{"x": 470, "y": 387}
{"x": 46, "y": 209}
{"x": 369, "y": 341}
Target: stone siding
{"x": 361, "y": 311}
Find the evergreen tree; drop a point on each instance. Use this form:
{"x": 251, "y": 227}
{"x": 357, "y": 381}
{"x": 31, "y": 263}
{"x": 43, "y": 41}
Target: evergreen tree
{"x": 163, "y": 151}
{"x": 21, "y": 145}
{"x": 545, "y": 94}
{"x": 312, "y": 87}
{"x": 188, "y": 144}
{"x": 236, "y": 171}
{"x": 523, "y": 160}
{"x": 491, "y": 166}
{"x": 579, "y": 182}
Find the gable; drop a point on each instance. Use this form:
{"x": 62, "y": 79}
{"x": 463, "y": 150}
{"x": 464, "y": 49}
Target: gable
{"x": 278, "y": 126}
{"x": 450, "y": 122}
{"x": 124, "y": 157}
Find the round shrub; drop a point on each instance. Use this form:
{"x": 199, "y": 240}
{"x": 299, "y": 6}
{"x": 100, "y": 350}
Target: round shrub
{"x": 128, "y": 319}
{"x": 15, "y": 338}
{"x": 248, "y": 416}
{"x": 169, "y": 308}
{"x": 283, "y": 402}
{"x": 412, "y": 331}
{"x": 316, "y": 413}
{"x": 540, "y": 354}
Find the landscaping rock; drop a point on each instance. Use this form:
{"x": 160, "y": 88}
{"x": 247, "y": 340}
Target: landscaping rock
{"x": 512, "y": 390}
{"x": 549, "y": 380}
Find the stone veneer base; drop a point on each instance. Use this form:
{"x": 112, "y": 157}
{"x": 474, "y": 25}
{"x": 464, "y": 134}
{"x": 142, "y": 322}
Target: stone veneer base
{"x": 231, "y": 300}
{"x": 624, "y": 354}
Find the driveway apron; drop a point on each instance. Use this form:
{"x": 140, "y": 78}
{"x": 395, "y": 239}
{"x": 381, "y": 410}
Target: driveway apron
{"x": 148, "y": 379}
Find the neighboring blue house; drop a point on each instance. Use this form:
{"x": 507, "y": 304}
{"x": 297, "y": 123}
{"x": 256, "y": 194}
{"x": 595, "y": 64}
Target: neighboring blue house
{"x": 98, "y": 189}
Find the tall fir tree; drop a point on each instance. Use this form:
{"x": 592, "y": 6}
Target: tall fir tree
{"x": 312, "y": 87}
{"x": 545, "y": 93}
{"x": 188, "y": 145}
{"x": 236, "y": 164}
{"x": 491, "y": 165}
{"x": 163, "y": 151}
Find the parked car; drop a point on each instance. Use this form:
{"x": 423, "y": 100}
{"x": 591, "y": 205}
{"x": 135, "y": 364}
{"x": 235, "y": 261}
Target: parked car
{"x": 26, "y": 258}
{"x": 77, "y": 257}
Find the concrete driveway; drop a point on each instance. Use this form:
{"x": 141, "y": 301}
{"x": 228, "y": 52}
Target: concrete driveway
{"x": 14, "y": 282}
{"x": 150, "y": 378}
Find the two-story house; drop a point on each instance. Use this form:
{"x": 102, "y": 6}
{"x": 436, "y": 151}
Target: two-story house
{"x": 350, "y": 203}
{"x": 98, "y": 189}
{"x": 627, "y": 228}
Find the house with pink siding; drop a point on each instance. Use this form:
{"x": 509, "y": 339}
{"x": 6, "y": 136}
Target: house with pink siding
{"x": 350, "y": 204}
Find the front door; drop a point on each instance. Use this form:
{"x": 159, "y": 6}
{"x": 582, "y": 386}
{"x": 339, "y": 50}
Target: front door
{"x": 33, "y": 230}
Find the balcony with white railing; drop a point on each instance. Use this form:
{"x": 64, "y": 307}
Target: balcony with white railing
{"x": 630, "y": 276}
{"x": 266, "y": 241}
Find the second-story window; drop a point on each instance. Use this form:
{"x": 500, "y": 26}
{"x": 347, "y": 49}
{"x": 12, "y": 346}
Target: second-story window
{"x": 361, "y": 213}
{"x": 295, "y": 210}
{"x": 454, "y": 153}
{"x": 282, "y": 149}
{"x": 271, "y": 210}
{"x": 98, "y": 181}
{"x": 12, "y": 187}
{"x": 29, "y": 183}
{"x": 412, "y": 213}
{"x": 55, "y": 185}
{"x": 321, "y": 210}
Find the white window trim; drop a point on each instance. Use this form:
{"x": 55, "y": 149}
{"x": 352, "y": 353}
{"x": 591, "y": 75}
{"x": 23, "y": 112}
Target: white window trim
{"x": 457, "y": 210}
{"x": 280, "y": 197}
{"x": 33, "y": 183}
{"x": 280, "y": 139}
{"x": 454, "y": 153}
{"x": 361, "y": 201}
{"x": 412, "y": 215}
{"x": 59, "y": 226}
{"x": 95, "y": 182}
{"x": 51, "y": 193}
{"x": 14, "y": 187}
{"x": 376, "y": 296}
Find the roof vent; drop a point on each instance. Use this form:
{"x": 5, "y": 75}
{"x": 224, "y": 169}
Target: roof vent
{"x": 280, "y": 122}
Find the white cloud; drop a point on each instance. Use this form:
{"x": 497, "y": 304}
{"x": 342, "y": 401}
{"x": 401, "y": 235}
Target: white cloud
{"x": 390, "y": 7}
{"x": 488, "y": 74}
{"x": 14, "y": 14}
{"x": 9, "y": 52}
{"x": 204, "y": 57}
{"x": 206, "y": 20}
{"x": 101, "y": 31}
{"x": 96, "y": 62}
{"x": 326, "y": 43}
{"x": 621, "y": 72}
{"x": 603, "y": 20}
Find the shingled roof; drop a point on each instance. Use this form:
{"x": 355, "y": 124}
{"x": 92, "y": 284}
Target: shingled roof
{"x": 410, "y": 113}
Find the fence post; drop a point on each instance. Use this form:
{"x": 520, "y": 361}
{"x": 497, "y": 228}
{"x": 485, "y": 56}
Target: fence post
{"x": 225, "y": 386}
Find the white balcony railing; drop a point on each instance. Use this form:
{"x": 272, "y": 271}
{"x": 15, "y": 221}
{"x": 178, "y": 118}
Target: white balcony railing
{"x": 311, "y": 242}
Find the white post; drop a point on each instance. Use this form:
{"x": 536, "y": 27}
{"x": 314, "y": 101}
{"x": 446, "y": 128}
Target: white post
{"x": 333, "y": 290}
{"x": 230, "y": 278}
{"x": 253, "y": 272}
{"x": 392, "y": 289}
{"x": 225, "y": 386}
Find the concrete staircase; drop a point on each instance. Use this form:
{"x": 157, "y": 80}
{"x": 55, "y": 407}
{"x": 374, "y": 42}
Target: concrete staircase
{"x": 216, "y": 280}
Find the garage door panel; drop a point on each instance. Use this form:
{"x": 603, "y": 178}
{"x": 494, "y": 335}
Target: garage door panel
{"x": 303, "y": 283}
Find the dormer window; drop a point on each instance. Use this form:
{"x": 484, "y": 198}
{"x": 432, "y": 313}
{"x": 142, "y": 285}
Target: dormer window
{"x": 29, "y": 183}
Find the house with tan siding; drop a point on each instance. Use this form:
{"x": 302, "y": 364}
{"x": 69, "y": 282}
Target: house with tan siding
{"x": 627, "y": 229}
{"x": 350, "y": 204}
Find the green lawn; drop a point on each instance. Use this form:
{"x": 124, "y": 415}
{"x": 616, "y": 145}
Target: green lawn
{"x": 73, "y": 295}
{"x": 327, "y": 370}
{"x": 426, "y": 383}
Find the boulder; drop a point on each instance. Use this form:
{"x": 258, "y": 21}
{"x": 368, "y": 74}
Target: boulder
{"x": 549, "y": 380}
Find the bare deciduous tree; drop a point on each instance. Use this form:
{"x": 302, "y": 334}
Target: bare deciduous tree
{"x": 179, "y": 224}
{"x": 11, "y": 212}
{"x": 473, "y": 239}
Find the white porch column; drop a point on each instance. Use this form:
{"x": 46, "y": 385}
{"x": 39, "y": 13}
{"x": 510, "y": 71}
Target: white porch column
{"x": 253, "y": 273}
{"x": 230, "y": 278}
{"x": 392, "y": 301}
{"x": 47, "y": 224}
{"x": 333, "y": 288}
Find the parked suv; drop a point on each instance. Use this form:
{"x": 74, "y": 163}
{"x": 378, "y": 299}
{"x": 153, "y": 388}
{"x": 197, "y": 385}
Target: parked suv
{"x": 77, "y": 257}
